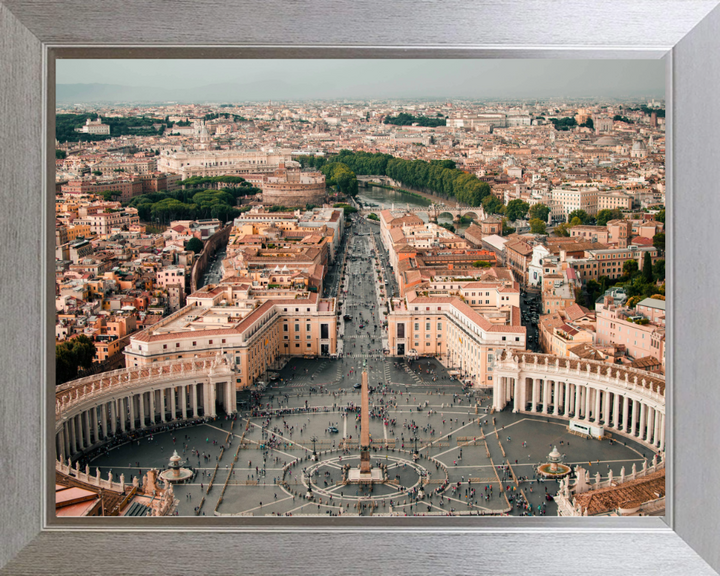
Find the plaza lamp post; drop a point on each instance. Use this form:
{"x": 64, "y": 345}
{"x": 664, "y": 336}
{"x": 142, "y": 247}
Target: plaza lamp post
{"x": 314, "y": 454}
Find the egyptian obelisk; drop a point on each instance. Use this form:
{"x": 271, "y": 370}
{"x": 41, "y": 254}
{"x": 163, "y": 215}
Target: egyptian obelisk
{"x": 364, "y": 426}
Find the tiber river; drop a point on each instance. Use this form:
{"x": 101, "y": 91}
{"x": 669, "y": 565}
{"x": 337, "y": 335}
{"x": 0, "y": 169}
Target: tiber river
{"x": 385, "y": 198}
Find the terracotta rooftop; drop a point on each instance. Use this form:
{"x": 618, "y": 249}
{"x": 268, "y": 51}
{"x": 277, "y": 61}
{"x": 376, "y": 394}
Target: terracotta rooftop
{"x": 628, "y": 494}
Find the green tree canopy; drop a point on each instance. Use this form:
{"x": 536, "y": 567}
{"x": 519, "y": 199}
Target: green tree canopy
{"x": 492, "y": 205}
{"x": 647, "y": 272}
{"x": 575, "y": 222}
{"x": 516, "y": 209}
{"x": 563, "y": 123}
{"x": 539, "y": 211}
{"x": 482, "y": 264}
{"x": 581, "y": 214}
{"x": 78, "y": 352}
{"x": 404, "y": 119}
{"x": 660, "y": 216}
{"x": 537, "y": 226}
{"x": 341, "y": 176}
{"x": 604, "y": 216}
{"x": 562, "y": 229}
{"x": 505, "y": 228}
{"x": 659, "y": 270}
{"x": 630, "y": 267}
{"x": 60, "y": 154}
{"x": 659, "y": 241}
{"x": 346, "y": 208}
{"x": 373, "y": 216}
{"x": 195, "y": 245}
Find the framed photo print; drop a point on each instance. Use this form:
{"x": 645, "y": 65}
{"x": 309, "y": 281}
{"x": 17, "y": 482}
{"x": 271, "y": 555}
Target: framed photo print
{"x": 408, "y": 287}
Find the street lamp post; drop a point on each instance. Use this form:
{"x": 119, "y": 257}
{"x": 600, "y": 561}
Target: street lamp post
{"x": 314, "y": 454}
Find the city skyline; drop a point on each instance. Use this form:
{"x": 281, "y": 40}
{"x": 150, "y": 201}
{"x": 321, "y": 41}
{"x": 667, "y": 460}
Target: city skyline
{"x": 88, "y": 81}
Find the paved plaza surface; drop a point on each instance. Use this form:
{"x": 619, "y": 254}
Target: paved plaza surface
{"x": 260, "y": 461}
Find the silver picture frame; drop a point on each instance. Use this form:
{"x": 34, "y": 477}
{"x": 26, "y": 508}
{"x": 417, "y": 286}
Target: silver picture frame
{"x": 35, "y": 33}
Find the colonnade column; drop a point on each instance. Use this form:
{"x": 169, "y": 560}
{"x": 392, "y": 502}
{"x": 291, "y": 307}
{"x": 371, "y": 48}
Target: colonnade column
{"x": 86, "y": 428}
{"x": 231, "y": 403}
{"x": 516, "y": 395}
{"x": 596, "y": 410}
{"x": 641, "y": 431}
{"x": 626, "y": 413}
{"x": 164, "y": 403}
{"x": 131, "y": 402}
{"x": 141, "y": 399}
{"x": 60, "y": 455}
{"x": 662, "y": 433}
{"x": 559, "y": 395}
{"x": 546, "y": 395}
{"x": 586, "y": 391}
{"x": 606, "y": 408}
{"x": 566, "y": 404}
{"x": 96, "y": 423}
{"x": 71, "y": 428}
{"x": 534, "y": 395}
{"x": 66, "y": 441}
{"x": 184, "y": 410}
{"x": 152, "y": 407}
{"x": 650, "y": 428}
{"x": 122, "y": 413}
{"x": 173, "y": 402}
{"x": 616, "y": 410}
{"x": 656, "y": 434}
{"x": 113, "y": 416}
{"x": 193, "y": 391}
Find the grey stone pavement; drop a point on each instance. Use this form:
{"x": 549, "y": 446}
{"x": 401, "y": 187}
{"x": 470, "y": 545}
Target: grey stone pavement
{"x": 470, "y": 458}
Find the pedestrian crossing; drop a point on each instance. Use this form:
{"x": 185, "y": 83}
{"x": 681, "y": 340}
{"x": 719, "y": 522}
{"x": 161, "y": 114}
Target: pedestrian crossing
{"x": 414, "y": 375}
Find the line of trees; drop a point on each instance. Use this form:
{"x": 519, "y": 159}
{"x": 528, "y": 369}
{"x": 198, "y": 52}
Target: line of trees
{"x": 190, "y": 204}
{"x": 404, "y": 119}
{"x": 338, "y": 174}
{"x": 439, "y": 177}
{"x": 65, "y": 125}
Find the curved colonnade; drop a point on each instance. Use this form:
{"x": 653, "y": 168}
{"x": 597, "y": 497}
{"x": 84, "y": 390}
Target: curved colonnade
{"x": 623, "y": 400}
{"x": 89, "y": 411}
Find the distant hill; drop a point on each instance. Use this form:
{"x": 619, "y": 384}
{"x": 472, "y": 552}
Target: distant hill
{"x": 228, "y": 92}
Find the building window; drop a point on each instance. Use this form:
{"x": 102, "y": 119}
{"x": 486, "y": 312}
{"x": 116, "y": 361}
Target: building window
{"x": 285, "y": 327}
{"x": 210, "y": 342}
{"x": 194, "y": 343}
{"x": 177, "y": 345}
{"x": 164, "y": 346}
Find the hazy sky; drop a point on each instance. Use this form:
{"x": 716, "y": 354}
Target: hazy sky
{"x": 382, "y": 78}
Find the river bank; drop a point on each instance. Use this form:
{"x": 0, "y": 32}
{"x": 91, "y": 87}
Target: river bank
{"x": 419, "y": 194}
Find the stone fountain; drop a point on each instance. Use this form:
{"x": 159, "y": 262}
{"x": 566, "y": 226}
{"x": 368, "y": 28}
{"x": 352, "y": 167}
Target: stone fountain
{"x": 175, "y": 473}
{"x": 553, "y": 468}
